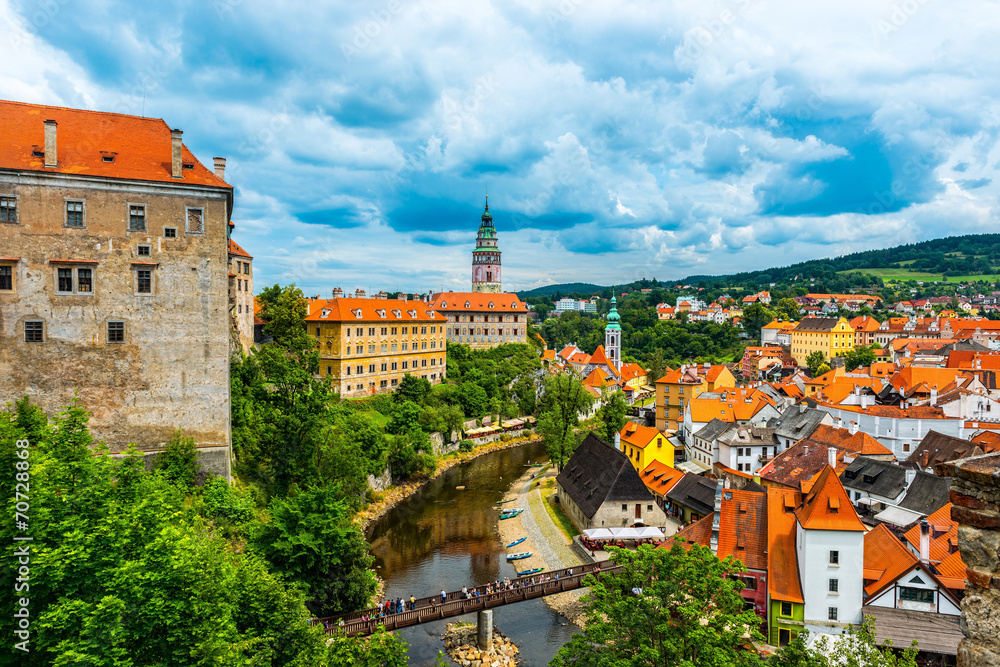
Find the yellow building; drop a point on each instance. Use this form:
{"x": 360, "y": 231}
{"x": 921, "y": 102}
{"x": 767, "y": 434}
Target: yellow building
{"x": 675, "y": 389}
{"x": 368, "y": 345}
{"x": 832, "y": 336}
{"x": 644, "y": 445}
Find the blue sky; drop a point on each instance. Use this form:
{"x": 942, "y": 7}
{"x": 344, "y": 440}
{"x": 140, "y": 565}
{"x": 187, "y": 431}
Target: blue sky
{"x": 618, "y": 139}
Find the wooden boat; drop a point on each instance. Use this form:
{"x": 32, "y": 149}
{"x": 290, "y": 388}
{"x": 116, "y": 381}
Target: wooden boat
{"x": 524, "y": 573}
{"x": 510, "y": 514}
{"x": 507, "y": 500}
{"x": 516, "y": 542}
{"x": 519, "y": 556}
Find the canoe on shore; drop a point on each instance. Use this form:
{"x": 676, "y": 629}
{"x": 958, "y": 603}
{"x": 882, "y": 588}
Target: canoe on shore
{"x": 524, "y": 573}
{"x": 510, "y": 514}
{"x": 516, "y": 542}
{"x": 519, "y": 556}
{"x": 507, "y": 500}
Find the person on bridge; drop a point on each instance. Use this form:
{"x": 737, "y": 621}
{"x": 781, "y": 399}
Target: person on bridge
{"x": 444, "y": 597}
{"x": 413, "y": 603}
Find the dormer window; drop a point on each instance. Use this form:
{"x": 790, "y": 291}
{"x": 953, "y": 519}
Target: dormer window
{"x": 491, "y": 305}
{"x": 397, "y": 313}
{"x": 381, "y": 313}
{"x": 325, "y": 313}
{"x": 467, "y": 304}
{"x": 189, "y": 165}
{"x": 514, "y": 305}
{"x": 357, "y": 313}
{"x": 412, "y": 313}
{"x": 444, "y": 304}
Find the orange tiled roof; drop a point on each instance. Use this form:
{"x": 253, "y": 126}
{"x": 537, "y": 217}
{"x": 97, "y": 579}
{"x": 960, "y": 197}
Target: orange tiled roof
{"x": 885, "y": 554}
{"x": 742, "y": 528}
{"x": 237, "y": 251}
{"x": 801, "y": 462}
{"x": 579, "y": 358}
{"x": 864, "y": 323}
{"x": 858, "y": 443}
{"x": 638, "y": 435}
{"x": 780, "y": 326}
{"x": 782, "y": 561}
{"x": 631, "y": 371}
{"x": 567, "y": 351}
{"x": 827, "y": 506}
{"x": 478, "y": 301}
{"x": 944, "y": 534}
{"x": 344, "y": 309}
{"x": 141, "y": 147}
{"x": 599, "y": 357}
{"x": 549, "y": 355}
{"x": 739, "y": 404}
{"x": 598, "y": 378}
{"x": 660, "y": 478}
{"x": 951, "y": 571}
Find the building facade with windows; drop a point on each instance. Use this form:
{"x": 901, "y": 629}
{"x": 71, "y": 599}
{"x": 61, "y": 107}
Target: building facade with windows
{"x": 832, "y": 336}
{"x": 113, "y": 276}
{"x": 241, "y": 303}
{"x": 483, "y": 320}
{"x": 366, "y": 346}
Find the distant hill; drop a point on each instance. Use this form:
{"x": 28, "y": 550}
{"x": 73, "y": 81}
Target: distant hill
{"x": 953, "y": 259}
{"x": 566, "y": 289}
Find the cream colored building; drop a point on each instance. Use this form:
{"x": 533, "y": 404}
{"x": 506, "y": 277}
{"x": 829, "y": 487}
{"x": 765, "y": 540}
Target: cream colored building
{"x": 482, "y": 319}
{"x": 832, "y": 336}
{"x": 368, "y": 345}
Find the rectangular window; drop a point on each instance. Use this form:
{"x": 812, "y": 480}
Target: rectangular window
{"x": 834, "y": 585}
{"x": 404, "y": 330}
{"x": 405, "y": 345}
{"x": 395, "y": 365}
{"x": 384, "y": 348}
{"x": 137, "y": 217}
{"x": 371, "y": 331}
{"x": 144, "y": 281}
{"x": 835, "y": 555}
{"x": 74, "y": 213}
{"x": 8, "y": 209}
{"x": 360, "y": 349}
{"x": 143, "y": 250}
{"x": 6, "y": 278}
{"x": 423, "y": 362}
{"x": 405, "y": 364}
{"x": 317, "y": 332}
{"x": 116, "y": 332}
{"x": 65, "y": 278}
{"x": 383, "y": 383}
{"x": 195, "y": 221}
{"x": 423, "y": 330}
{"x": 916, "y": 594}
{"x": 394, "y": 331}
{"x": 85, "y": 280}
{"x": 359, "y": 370}
{"x": 433, "y": 361}
{"x": 329, "y": 370}
{"x": 433, "y": 329}
{"x": 832, "y": 613}
{"x": 33, "y": 331}
{"x": 786, "y": 608}
{"x": 169, "y": 232}
{"x": 371, "y": 368}
{"x": 385, "y": 330}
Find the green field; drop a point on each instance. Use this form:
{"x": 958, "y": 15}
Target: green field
{"x": 898, "y": 275}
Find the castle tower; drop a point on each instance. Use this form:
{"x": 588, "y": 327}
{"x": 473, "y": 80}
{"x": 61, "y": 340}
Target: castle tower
{"x": 613, "y": 336}
{"x": 486, "y": 256}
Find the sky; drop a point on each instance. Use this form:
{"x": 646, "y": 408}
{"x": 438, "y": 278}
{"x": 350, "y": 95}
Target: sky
{"x": 618, "y": 140}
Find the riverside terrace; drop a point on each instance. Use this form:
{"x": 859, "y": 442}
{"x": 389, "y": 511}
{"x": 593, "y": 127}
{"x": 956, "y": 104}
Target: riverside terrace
{"x": 432, "y": 609}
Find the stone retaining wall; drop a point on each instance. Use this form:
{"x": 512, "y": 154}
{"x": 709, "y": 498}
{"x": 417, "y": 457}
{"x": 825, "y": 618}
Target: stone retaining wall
{"x": 975, "y": 497}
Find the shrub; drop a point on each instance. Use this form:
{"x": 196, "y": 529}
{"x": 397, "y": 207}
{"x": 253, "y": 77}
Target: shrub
{"x": 465, "y": 446}
{"x": 226, "y": 502}
{"x": 178, "y": 463}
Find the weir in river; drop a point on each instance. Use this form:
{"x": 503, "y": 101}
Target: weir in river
{"x": 445, "y": 538}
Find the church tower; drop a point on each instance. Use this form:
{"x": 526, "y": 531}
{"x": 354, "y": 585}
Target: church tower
{"x": 613, "y": 336}
{"x": 486, "y": 256}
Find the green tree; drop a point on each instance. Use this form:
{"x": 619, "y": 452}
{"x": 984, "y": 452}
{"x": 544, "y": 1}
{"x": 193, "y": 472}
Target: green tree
{"x": 823, "y": 368}
{"x": 814, "y": 361}
{"x": 859, "y": 357}
{"x": 656, "y": 366}
{"x": 857, "y": 647}
{"x": 284, "y": 312}
{"x": 381, "y": 649}
{"x": 563, "y": 401}
{"x": 787, "y": 308}
{"x": 612, "y": 415}
{"x": 755, "y": 316}
{"x": 671, "y": 606}
{"x": 312, "y": 540}
{"x": 412, "y": 388}
{"x": 178, "y": 462}
{"x": 405, "y": 418}
{"x": 474, "y": 400}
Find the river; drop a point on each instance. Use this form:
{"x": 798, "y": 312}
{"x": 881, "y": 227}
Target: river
{"x": 445, "y": 538}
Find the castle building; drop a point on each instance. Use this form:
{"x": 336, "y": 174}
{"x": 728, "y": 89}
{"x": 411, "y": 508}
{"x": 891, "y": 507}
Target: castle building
{"x": 367, "y": 345}
{"x": 486, "y": 316}
{"x": 114, "y": 284}
{"x": 486, "y": 257}
{"x": 241, "y": 302}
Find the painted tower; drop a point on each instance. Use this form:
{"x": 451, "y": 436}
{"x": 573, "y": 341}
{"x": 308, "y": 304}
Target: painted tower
{"x": 613, "y": 336}
{"x": 486, "y": 256}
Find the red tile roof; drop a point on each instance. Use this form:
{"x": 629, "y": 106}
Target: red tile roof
{"x": 478, "y": 301}
{"x": 944, "y": 534}
{"x": 885, "y": 554}
{"x": 638, "y": 435}
{"x": 660, "y": 478}
{"x": 742, "y": 528}
{"x": 803, "y": 460}
{"x": 782, "y": 560}
{"x": 237, "y": 251}
{"x": 599, "y": 357}
{"x": 141, "y": 147}
{"x": 827, "y": 507}
{"x": 344, "y": 310}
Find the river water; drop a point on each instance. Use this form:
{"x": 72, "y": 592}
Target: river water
{"x": 445, "y": 538}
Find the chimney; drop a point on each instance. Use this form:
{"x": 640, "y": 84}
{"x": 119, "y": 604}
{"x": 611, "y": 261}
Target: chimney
{"x": 716, "y": 517}
{"x": 831, "y": 455}
{"x": 911, "y": 474}
{"x": 853, "y": 428}
{"x": 338, "y": 293}
{"x": 925, "y": 541}
{"x": 51, "y": 158}
{"x": 176, "y": 166}
{"x": 220, "y": 167}
{"x": 839, "y": 423}
{"x": 933, "y": 396}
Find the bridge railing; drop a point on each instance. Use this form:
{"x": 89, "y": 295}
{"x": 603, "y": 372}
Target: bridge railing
{"x": 432, "y": 608}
